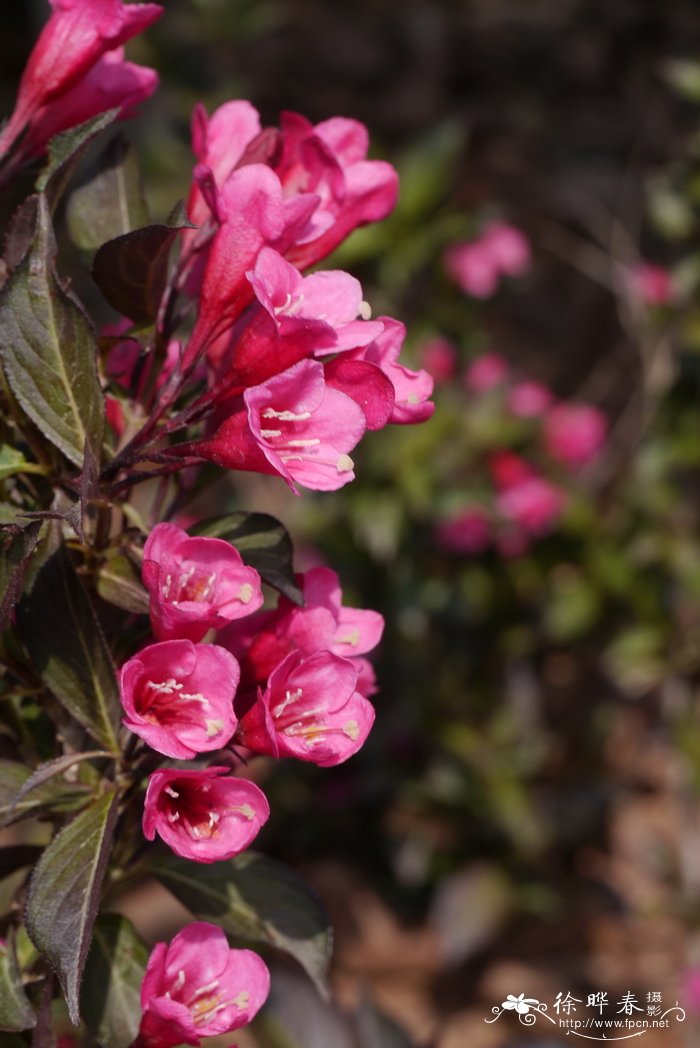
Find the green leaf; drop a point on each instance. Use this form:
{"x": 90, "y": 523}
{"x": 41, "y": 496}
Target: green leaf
{"x": 258, "y": 900}
{"x": 63, "y": 637}
{"x": 64, "y": 894}
{"x": 264, "y": 543}
{"x": 66, "y": 150}
{"x": 118, "y": 583}
{"x": 110, "y": 994}
{"x": 48, "y": 350}
{"x": 16, "y": 547}
{"x": 16, "y": 1013}
{"x": 13, "y": 461}
{"x": 131, "y": 271}
{"x": 108, "y": 198}
{"x": 46, "y": 771}
{"x": 13, "y": 776}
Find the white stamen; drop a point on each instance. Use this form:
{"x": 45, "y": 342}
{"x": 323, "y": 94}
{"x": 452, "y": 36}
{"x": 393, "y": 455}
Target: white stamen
{"x": 214, "y": 727}
{"x": 365, "y": 310}
{"x": 290, "y": 697}
{"x": 352, "y": 638}
{"x": 352, "y": 730}
{"x": 173, "y": 816}
{"x": 344, "y": 463}
{"x": 245, "y": 592}
{"x": 171, "y": 792}
{"x": 285, "y": 416}
{"x": 269, "y": 434}
{"x": 179, "y": 982}
{"x": 309, "y": 442}
{"x": 213, "y": 818}
{"x": 185, "y": 697}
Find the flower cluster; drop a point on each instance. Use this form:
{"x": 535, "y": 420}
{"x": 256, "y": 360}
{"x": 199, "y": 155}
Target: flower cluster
{"x": 260, "y": 366}
{"x": 524, "y": 494}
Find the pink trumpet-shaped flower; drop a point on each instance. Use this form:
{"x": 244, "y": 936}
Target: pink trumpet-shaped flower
{"x": 195, "y": 584}
{"x": 251, "y": 213}
{"x": 653, "y": 284}
{"x": 293, "y": 425}
{"x": 412, "y": 389}
{"x": 574, "y": 434}
{"x": 330, "y": 160}
{"x": 528, "y": 399}
{"x": 322, "y": 623}
{"x": 468, "y": 531}
{"x": 75, "y": 38}
{"x": 533, "y": 503}
{"x": 330, "y": 296}
{"x": 477, "y": 265}
{"x": 203, "y": 815}
{"x": 178, "y": 697}
{"x": 196, "y": 986}
{"x": 311, "y": 710}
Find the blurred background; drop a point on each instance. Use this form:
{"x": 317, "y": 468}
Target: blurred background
{"x": 525, "y": 815}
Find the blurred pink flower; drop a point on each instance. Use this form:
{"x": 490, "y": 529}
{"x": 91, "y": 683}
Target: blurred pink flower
{"x": 477, "y": 266}
{"x": 690, "y": 989}
{"x": 469, "y": 531}
{"x": 533, "y": 503}
{"x": 196, "y": 986}
{"x": 653, "y": 284}
{"x": 439, "y": 358}
{"x": 486, "y": 372}
{"x": 528, "y": 399}
{"x": 574, "y": 434}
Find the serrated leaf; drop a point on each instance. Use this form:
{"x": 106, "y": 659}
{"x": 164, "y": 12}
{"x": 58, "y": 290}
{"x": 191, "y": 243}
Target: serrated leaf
{"x": 48, "y": 350}
{"x": 118, "y": 583}
{"x": 63, "y": 637}
{"x": 16, "y": 1013}
{"x": 131, "y": 271}
{"x": 65, "y": 151}
{"x": 64, "y": 894}
{"x": 13, "y": 777}
{"x": 110, "y": 995}
{"x": 20, "y": 231}
{"x": 16, "y": 547}
{"x": 264, "y": 544}
{"x": 108, "y": 198}
{"x": 258, "y": 900}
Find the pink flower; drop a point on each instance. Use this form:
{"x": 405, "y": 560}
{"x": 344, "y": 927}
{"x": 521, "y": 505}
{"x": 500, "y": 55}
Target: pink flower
{"x": 486, "y": 372}
{"x": 439, "y": 357}
{"x": 219, "y": 142}
{"x": 533, "y": 504}
{"x": 322, "y": 623}
{"x": 469, "y": 531}
{"x": 330, "y": 296}
{"x": 528, "y": 399}
{"x": 293, "y": 425}
{"x": 477, "y": 266}
{"x": 178, "y": 697}
{"x": 112, "y": 83}
{"x": 412, "y": 389}
{"x": 508, "y": 247}
{"x": 311, "y": 710}
{"x": 251, "y": 213}
{"x": 653, "y": 284}
{"x": 574, "y": 434}
{"x": 330, "y": 160}
{"x": 473, "y": 268}
{"x": 195, "y": 584}
{"x": 196, "y": 986}
{"x": 203, "y": 815}
{"x": 77, "y": 35}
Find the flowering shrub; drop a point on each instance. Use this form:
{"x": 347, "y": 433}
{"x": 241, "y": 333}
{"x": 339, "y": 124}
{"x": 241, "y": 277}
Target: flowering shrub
{"x": 223, "y": 352}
